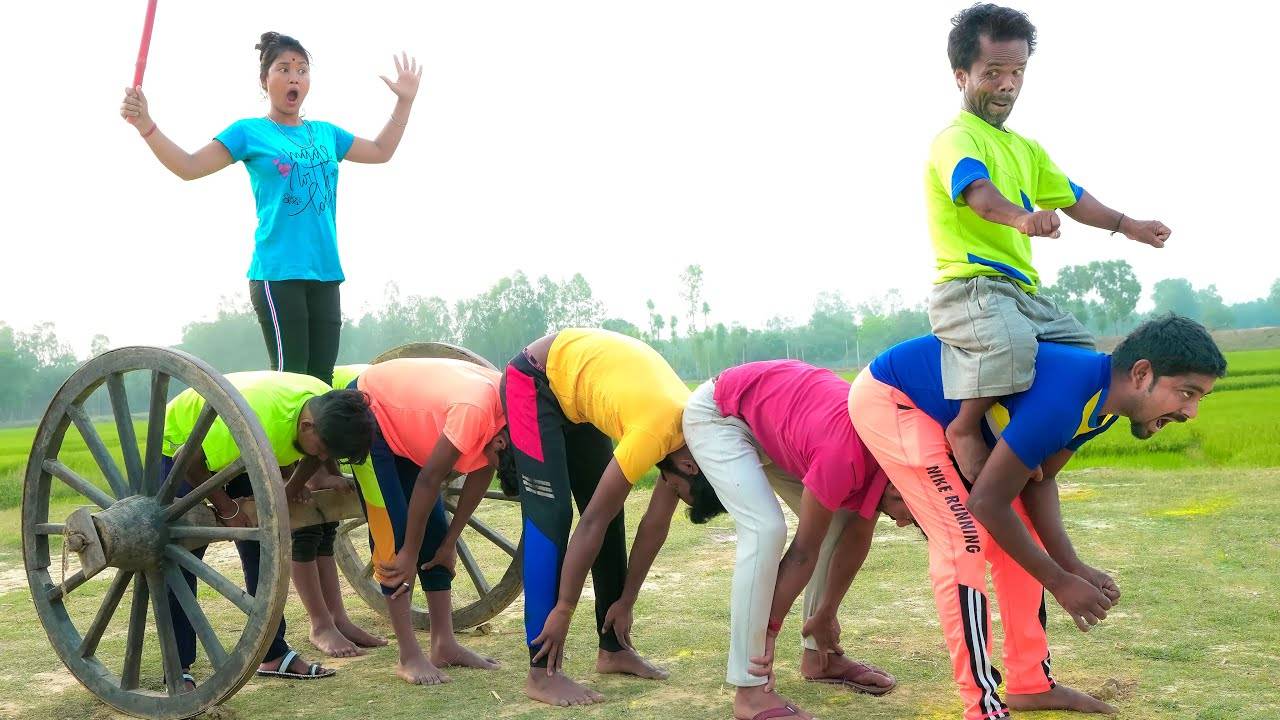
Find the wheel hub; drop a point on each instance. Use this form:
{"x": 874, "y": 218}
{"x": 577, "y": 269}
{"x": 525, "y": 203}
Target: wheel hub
{"x": 132, "y": 534}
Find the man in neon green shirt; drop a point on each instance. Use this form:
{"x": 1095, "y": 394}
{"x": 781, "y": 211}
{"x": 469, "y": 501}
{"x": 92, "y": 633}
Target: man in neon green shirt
{"x": 983, "y": 185}
{"x": 307, "y": 423}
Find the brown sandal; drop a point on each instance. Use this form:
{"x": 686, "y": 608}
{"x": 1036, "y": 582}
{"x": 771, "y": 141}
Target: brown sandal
{"x": 873, "y": 690}
{"x": 782, "y": 711}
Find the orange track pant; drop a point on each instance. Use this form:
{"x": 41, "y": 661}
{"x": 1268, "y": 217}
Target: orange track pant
{"x": 912, "y": 448}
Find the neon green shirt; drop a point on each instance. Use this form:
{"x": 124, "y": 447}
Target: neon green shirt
{"x": 275, "y": 397}
{"x": 965, "y": 244}
{"x": 344, "y": 374}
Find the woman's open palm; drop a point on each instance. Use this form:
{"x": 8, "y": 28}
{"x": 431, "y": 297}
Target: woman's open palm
{"x": 408, "y": 75}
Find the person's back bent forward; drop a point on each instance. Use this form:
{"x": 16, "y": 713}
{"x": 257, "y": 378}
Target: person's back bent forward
{"x": 1156, "y": 376}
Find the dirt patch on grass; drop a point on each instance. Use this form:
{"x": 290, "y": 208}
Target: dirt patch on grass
{"x": 1113, "y": 689}
{"x": 12, "y": 578}
{"x": 664, "y": 580}
{"x": 52, "y": 682}
{"x": 222, "y": 555}
{"x": 1070, "y": 492}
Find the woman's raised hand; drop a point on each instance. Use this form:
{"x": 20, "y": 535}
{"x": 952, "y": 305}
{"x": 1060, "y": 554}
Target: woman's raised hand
{"x": 408, "y": 74}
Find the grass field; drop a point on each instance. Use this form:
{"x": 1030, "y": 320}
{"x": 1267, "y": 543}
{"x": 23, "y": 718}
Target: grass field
{"x": 1186, "y": 522}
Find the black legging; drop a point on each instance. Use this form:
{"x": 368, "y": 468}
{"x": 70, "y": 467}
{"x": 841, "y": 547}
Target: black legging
{"x": 302, "y": 322}
{"x": 557, "y": 459}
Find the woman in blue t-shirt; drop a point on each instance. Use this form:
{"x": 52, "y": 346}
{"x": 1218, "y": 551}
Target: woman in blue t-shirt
{"x": 295, "y": 272}
{"x": 293, "y": 169}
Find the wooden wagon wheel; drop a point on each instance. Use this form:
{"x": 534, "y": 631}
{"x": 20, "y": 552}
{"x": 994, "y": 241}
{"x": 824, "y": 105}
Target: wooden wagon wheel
{"x": 495, "y": 551}
{"x": 139, "y": 529}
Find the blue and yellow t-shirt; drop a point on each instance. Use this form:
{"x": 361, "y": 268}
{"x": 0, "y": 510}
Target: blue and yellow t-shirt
{"x": 1061, "y": 409}
{"x": 965, "y": 244}
{"x": 294, "y": 174}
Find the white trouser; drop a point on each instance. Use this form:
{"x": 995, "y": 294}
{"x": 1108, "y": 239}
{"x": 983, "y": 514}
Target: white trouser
{"x": 745, "y": 481}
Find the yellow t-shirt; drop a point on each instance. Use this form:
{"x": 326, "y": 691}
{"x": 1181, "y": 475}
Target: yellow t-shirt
{"x": 623, "y": 387}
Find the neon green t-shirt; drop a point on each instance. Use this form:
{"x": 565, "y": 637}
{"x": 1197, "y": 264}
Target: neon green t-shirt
{"x": 275, "y": 397}
{"x": 965, "y": 244}
{"x": 344, "y": 374}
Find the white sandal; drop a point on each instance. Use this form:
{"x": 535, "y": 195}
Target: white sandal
{"x": 314, "y": 670}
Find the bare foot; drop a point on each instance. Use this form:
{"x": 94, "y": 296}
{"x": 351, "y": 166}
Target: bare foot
{"x": 453, "y": 654}
{"x": 333, "y": 643}
{"x": 188, "y": 682}
{"x": 358, "y": 635}
{"x": 969, "y": 448}
{"x": 751, "y": 701}
{"x": 628, "y": 662}
{"x": 419, "y": 671}
{"x": 845, "y": 671}
{"x": 558, "y": 689}
{"x": 1060, "y": 697}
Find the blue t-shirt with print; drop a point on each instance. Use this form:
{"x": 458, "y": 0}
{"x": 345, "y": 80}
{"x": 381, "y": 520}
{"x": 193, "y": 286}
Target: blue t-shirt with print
{"x": 294, "y": 174}
{"x": 1061, "y": 409}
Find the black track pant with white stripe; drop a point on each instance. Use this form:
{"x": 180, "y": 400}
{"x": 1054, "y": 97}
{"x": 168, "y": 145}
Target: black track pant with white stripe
{"x": 301, "y": 322}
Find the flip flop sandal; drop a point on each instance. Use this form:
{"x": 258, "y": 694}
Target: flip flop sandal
{"x": 873, "y": 690}
{"x": 782, "y": 711}
{"x": 314, "y": 671}
{"x": 188, "y": 678}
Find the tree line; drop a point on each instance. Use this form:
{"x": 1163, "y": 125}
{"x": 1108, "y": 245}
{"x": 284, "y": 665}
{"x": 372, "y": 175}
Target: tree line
{"x": 516, "y": 309}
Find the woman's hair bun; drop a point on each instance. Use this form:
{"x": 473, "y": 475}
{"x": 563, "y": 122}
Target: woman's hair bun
{"x": 266, "y": 41}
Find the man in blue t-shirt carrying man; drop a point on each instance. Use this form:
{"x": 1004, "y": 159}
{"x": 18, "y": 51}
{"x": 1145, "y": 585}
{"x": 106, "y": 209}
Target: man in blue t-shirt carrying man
{"x": 1003, "y": 518}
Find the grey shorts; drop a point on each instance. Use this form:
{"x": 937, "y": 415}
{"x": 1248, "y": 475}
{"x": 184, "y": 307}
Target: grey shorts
{"x": 991, "y": 329}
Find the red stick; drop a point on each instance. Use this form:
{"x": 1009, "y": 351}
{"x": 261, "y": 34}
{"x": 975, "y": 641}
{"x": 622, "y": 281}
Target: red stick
{"x": 145, "y": 47}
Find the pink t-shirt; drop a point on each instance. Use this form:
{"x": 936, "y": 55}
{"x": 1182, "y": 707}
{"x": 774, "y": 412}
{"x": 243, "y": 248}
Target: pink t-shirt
{"x": 800, "y": 416}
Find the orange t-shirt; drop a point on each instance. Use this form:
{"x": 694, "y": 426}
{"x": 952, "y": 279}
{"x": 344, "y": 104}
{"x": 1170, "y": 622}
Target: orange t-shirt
{"x": 417, "y": 399}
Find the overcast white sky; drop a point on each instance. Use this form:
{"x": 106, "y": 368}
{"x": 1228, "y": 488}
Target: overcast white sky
{"x": 781, "y": 145}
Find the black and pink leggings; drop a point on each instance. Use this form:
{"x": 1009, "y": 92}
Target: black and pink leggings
{"x": 560, "y": 463}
